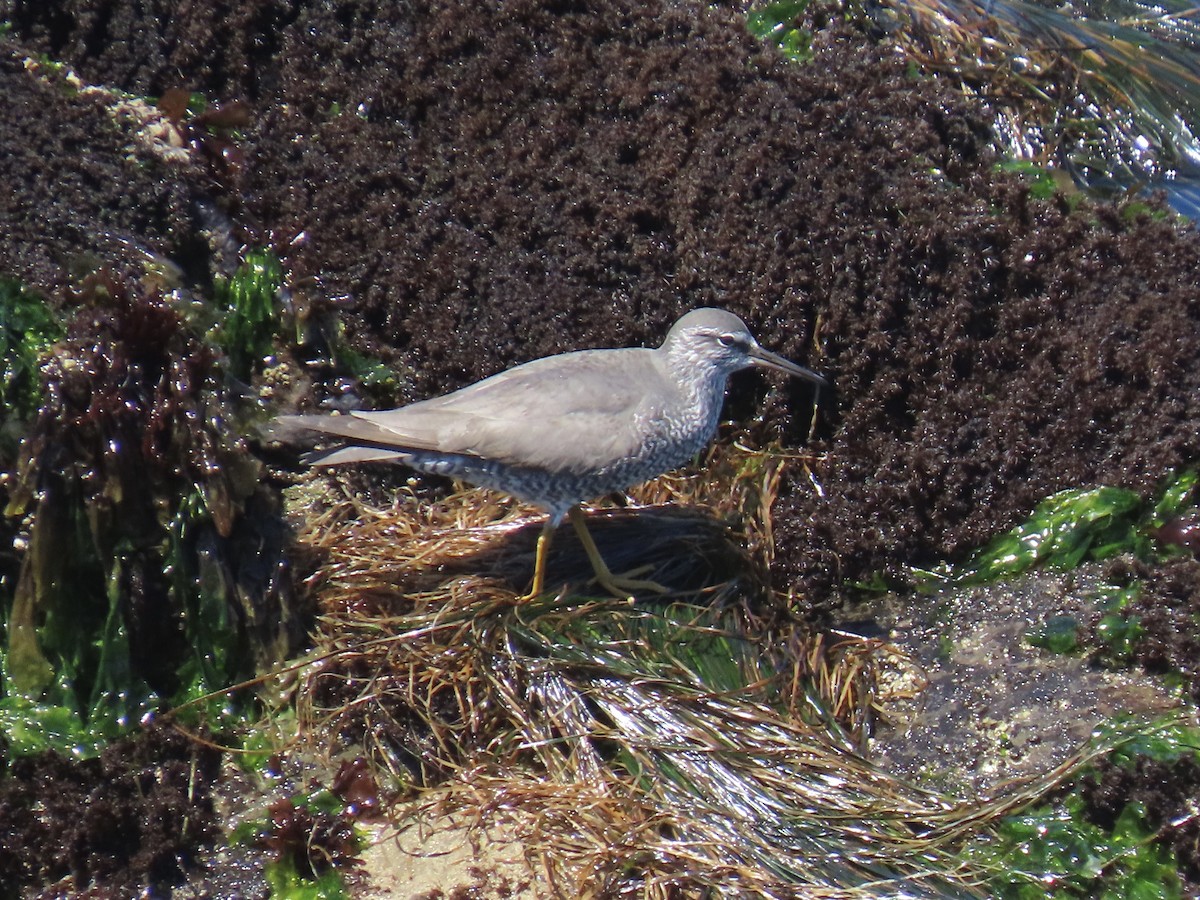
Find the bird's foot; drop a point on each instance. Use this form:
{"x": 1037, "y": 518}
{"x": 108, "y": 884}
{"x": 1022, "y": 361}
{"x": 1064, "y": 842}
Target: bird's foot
{"x": 622, "y": 586}
{"x": 531, "y": 595}
{"x": 625, "y": 586}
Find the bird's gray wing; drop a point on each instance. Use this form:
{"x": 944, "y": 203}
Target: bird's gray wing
{"x": 562, "y": 413}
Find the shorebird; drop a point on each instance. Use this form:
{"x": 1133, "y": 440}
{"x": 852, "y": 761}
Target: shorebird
{"x": 567, "y": 428}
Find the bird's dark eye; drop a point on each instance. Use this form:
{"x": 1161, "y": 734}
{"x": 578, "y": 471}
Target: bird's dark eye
{"x": 726, "y": 340}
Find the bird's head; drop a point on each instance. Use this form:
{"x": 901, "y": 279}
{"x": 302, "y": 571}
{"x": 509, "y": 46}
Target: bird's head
{"x": 718, "y": 342}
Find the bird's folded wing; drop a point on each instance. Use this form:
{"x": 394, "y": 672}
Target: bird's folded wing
{"x": 568, "y": 413}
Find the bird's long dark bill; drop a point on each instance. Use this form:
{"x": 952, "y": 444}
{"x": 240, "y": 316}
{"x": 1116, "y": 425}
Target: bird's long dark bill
{"x": 769, "y": 360}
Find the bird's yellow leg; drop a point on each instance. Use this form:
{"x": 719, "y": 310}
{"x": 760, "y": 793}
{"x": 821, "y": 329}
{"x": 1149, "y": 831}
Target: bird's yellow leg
{"x": 621, "y": 586}
{"x": 539, "y": 561}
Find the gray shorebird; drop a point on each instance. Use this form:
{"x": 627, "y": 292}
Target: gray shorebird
{"x": 568, "y": 428}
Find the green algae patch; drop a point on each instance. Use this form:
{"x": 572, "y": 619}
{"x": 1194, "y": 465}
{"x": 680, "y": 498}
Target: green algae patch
{"x": 288, "y": 884}
{"x": 1069, "y": 528}
{"x": 375, "y": 377}
{"x": 1051, "y": 852}
{"x": 1118, "y": 631}
{"x": 28, "y": 327}
{"x": 1058, "y": 634}
{"x": 1068, "y": 848}
{"x": 250, "y": 302}
{"x": 776, "y": 23}
{"x": 72, "y": 679}
{"x": 310, "y": 835}
{"x": 1063, "y": 531}
{"x": 1042, "y": 183}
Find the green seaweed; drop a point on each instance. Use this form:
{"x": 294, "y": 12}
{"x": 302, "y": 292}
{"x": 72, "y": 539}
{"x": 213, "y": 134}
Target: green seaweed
{"x": 90, "y": 695}
{"x": 1116, "y": 632}
{"x": 288, "y": 884}
{"x": 81, "y": 689}
{"x": 28, "y": 327}
{"x": 207, "y": 619}
{"x": 1071, "y": 527}
{"x": 131, "y": 594}
{"x": 1042, "y": 185}
{"x": 1114, "y": 637}
{"x": 1064, "y": 530}
{"x": 1052, "y": 850}
{"x": 1165, "y": 741}
{"x": 1175, "y": 498}
{"x": 1058, "y": 634}
{"x": 250, "y": 301}
{"x": 776, "y": 22}
{"x": 370, "y": 373}
{"x": 310, "y": 835}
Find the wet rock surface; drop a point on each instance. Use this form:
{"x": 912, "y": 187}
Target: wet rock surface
{"x": 992, "y": 706}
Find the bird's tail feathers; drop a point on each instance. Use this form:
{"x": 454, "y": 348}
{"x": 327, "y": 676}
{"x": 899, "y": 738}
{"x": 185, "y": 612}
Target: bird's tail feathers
{"x": 335, "y": 456}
